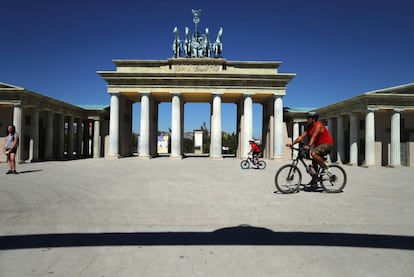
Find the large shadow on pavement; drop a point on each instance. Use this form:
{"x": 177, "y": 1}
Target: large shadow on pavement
{"x": 239, "y": 235}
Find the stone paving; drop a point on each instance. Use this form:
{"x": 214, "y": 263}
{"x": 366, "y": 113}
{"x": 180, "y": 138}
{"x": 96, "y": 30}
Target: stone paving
{"x": 200, "y": 217}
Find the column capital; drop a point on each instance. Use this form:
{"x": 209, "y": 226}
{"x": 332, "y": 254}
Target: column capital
{"x": 17, "y": 104}
{"x": 298, "y": 120}
{"x": 94, "y": 117}
{"x": 398, "y": 109}
{"x": 217, "y": 94}
{"x": 175, "y": 93}
{"x": 145, "y": 93}
{"x": 372, "y": 108}
{"x": 281, "y": 91}
{"x": 248, "y": 94}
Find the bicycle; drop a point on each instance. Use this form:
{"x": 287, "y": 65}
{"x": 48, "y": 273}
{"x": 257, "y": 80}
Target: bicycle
{"x": 245, "y": 164}
{"x": 289, "y": 177}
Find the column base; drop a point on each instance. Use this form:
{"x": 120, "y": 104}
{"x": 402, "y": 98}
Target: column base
{"x": 279, "y": 157}
{"x": 144, "y": 157}
{"x": 113, "y": 156}
{"x": 217, "y": 158}
{"x": 368, "y": 165}
{"x": 176, "y": 157}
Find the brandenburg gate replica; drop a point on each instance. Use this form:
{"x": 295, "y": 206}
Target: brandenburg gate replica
{"x": 197, "y": 73}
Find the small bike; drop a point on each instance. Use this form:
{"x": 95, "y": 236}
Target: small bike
{"x": 289, "y": 177}
{"x": 245, "y": 164}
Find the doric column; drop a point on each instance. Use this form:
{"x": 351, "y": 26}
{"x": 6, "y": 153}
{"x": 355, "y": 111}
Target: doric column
{"x": 353, "y": 138}
{"x": 176, "y": 140}
{"x": 86, "y": 138}
{"x": 295, "y": 129}
{"x": 70, "y": 137}
{"x": 295, "y": 134}
{"x": 239, "y": 129}
{"x": 61, "y": 135}
{"x": 114, "y": 127}
{"x": 34, "y": 138}
{"x": 49, "y": 135}
{"x": 247, "y": 123}
{"x": 17, "y": 122}
{"x": 330, "y": 128}
{"x": 267, "y": 128}
{"x": 79, "y": 137}
{"x": 97, "y": 138}
{"x": 144, "y": 134}
{"x": 153, "y": 127}
{"x": 370, "y": 137}
{"x": 278, "y": 121}
{"x": 340, "y": 144}
{"x": 395, "y": 138}
{"x": 216, "y": 142}
{"x": 17, "y": 118}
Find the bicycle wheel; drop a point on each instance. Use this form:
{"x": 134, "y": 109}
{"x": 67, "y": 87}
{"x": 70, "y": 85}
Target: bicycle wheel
{"x": 288, "y": 179}
{"x": 335, "y": 181}
{"x": 245, "y": 164}
{"x": 261, "y": 165}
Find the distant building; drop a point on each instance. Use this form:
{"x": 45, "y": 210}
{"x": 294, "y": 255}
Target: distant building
{"x": 50, "y": 129}
{"x": 372, "y": 129}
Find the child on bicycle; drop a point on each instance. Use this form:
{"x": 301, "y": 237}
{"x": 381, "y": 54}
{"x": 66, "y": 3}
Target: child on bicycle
{"x": 255, "y": 151}
{"x": 321, "y": 138}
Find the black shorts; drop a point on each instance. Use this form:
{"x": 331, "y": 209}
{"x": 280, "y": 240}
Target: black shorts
{"x": 13, "y": 150}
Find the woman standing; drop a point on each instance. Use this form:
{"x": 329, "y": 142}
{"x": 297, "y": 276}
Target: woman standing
{"x": 10, "y": 148}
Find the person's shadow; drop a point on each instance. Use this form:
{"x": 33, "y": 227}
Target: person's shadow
{"x": 29, "y": 171}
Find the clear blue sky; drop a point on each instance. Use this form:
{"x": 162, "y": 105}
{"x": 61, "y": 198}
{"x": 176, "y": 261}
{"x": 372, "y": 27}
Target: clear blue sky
{"x": 337, "y": 48}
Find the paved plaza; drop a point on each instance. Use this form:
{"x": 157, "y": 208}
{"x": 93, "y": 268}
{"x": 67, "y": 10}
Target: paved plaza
{"x": 200, "y": 217}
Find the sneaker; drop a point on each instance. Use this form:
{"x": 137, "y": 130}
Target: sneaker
{"x": 9, "y": 172}
{"x": 15, "y": 172}
{"x": 313, "y": 187}
{"x": 311, "y": 183}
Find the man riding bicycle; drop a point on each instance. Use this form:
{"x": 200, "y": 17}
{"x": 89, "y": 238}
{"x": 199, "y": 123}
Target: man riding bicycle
{"x": 320, "y": 138}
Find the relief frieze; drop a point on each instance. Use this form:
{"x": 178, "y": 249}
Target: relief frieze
{"x": 196, "y": 68}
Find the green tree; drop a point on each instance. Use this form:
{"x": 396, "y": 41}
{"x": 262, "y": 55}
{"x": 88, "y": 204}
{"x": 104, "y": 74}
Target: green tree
{"x": 134, "y": 142}
{"x": 206, "y": 138}
{"x": 188, "y": 145}
{"x": 230, "y": 141}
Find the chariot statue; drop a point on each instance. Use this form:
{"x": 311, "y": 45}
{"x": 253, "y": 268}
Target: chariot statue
{"x": 198, "y": 45}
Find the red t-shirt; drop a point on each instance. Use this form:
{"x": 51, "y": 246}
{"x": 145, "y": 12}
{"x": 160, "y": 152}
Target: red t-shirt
{"x": 324, "y": 136}
{"x": 255, "y": 148}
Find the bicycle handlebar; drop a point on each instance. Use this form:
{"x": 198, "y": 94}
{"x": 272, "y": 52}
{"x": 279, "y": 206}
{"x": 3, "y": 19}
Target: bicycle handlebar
{"x": 298, "y": 149}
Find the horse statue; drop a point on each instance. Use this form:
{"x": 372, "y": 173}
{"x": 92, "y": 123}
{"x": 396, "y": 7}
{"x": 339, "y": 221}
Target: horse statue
{"x": 207, "y": 47}
{"x": 176, "y": 47}
{"x": 187, "y": 43}
{"x": 218, "y": 45}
